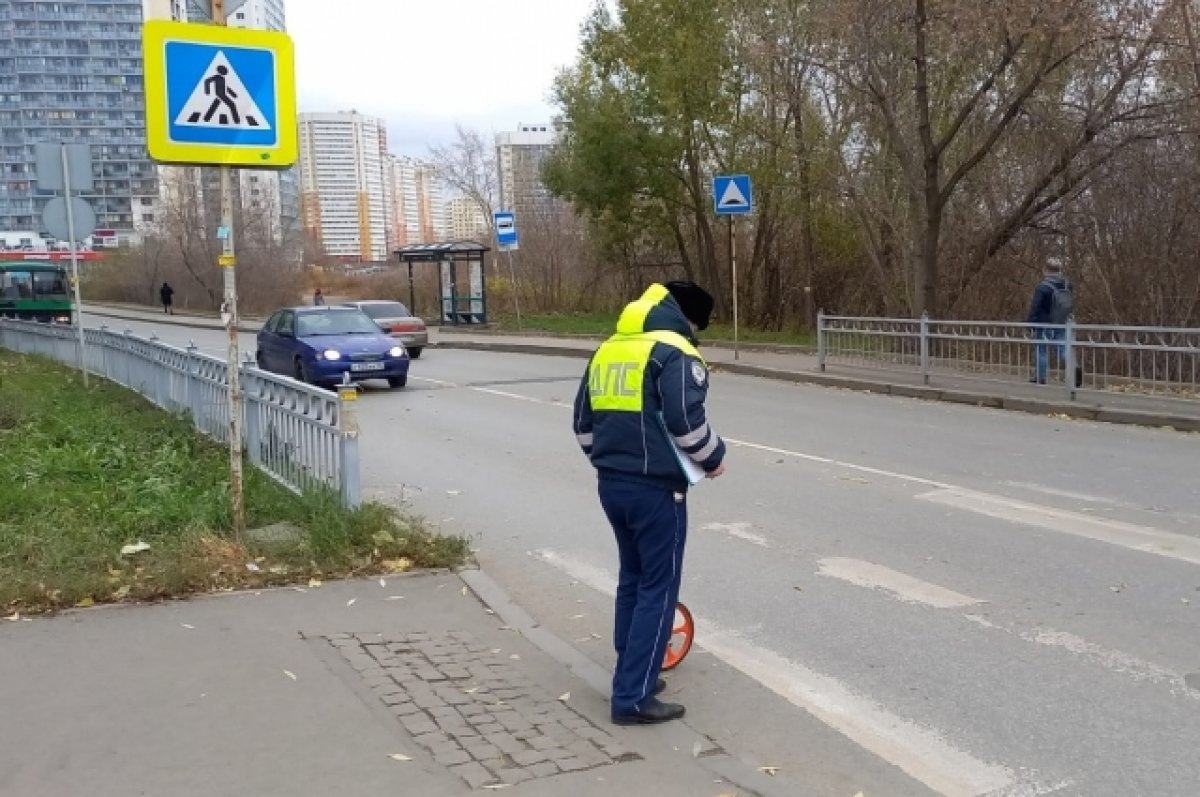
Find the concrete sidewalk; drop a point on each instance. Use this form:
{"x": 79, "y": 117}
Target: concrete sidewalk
{"x": 801, "y": 366}
{"x": 412, "y": 685}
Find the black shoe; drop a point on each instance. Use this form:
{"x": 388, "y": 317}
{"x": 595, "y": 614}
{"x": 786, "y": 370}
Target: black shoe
{"x": 659, "y": 686}
{"x": 654, "y": 712}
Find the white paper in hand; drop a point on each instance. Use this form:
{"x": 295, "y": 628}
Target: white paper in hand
{"x": 690, "y": 468}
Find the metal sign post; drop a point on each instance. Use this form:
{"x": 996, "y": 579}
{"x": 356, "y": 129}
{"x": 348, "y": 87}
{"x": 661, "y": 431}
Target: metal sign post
{"x": 74, "y": 263}
{"x": 505, "y": 222}
{"x": 229, "y": 312}
{"x": 733, "y": 195}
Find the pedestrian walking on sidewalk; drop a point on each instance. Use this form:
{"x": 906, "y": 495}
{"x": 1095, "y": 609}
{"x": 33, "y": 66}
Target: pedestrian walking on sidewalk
{"x": 166, "y": 294}
{"x": 639, "y": 409}
{"x": 318, "y": 298}
{"x": 1053, "y": 304}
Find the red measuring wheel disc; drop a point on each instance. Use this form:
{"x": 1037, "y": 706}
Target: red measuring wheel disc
{"x": 683, "y": 629}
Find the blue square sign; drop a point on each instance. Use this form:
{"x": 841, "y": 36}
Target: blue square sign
{"x": 506, "y": 228}
{"x": 221, "y": 94}
{"x": 733, "y": 194}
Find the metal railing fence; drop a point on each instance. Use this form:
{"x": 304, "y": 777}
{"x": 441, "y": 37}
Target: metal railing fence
{"x": 303, "y": 436}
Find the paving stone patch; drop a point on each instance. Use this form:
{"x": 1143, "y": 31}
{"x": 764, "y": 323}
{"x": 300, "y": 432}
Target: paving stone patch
{"x": 474, "y": 711}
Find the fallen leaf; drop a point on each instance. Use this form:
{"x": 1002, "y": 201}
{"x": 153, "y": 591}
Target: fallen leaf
{"x": 313, "y": 583}
{"x": 696, "y": 748}
{"x": 798, "y": 588}
{"x": 464, "y": 591}
{"x": 14, "y": 617}
{"x": 769, "y": 770}
{"x": 188, "y": 627}
{"x": 137, "y": 547}
{"x": 564, "y": 697}
{"x": 299, "y": 589}
{"x": 578, "y": 616}
{"x": 497, "y": 786}
{"x": 399, "y": 757}
{"x": 495, "y": 651}
{"x": 454, "y": 492}
{"x": 398, "y": 565}
{"x": 394, "y": 598}
{"x": 488, "y": 611}
{"x": 290, "y": 674}
{"x": 471, "y": 691}
{"x": 1186, "y": 602}
{"x": 253, "y": 568}
{"x": 860, "y": 794}
{"x": 121, "y": 593}
{"x": 382, "y": 584}
{"x": 515, "y": 657}
{"x": 351, "y": 601}
{"x": 86, "y": 603}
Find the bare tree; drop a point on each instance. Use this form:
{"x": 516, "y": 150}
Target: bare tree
{"x": 469, "y": 166}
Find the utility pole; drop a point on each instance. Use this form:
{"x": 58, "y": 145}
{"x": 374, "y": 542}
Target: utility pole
{"x": 229, "y": 315}
{"x": 74, "y": 262}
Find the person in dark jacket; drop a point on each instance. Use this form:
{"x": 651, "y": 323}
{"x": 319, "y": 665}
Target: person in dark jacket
{"x": 166, "y": 294}
{"x": 1053, "y": 305}
{"x": 639, "y": 412}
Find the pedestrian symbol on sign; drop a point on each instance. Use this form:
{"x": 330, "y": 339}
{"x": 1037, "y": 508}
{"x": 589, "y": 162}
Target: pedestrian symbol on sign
{"x": 221, "y": 100}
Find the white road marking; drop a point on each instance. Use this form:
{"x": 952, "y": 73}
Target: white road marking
{"x": 1127, "y": 535}
{"x": 519, "y": 397}
{"x": 438, "y": 382}
{"x": 905, "y": 587}
{"x": 1090, "y": 499}
{"x": 1112, "y": 660}
{"x": 739, "y": 530}
{"x": 919, "y": 751}
{"x": 1113, "y": 532}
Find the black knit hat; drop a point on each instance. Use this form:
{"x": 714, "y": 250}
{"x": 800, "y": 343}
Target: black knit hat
{"x": 695, "y": 302}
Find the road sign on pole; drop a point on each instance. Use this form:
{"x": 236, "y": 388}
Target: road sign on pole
{"x": 506, "y": 240}
{"x": 506, "y": 229}
{"x": 219, "y": 96}
{"x": 733, "y": 194}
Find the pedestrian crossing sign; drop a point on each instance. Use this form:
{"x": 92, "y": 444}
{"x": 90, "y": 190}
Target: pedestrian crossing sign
{"x": 219, "y": 96}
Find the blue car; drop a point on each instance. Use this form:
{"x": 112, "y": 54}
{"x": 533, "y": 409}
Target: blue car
{"x": 319, "y": 345}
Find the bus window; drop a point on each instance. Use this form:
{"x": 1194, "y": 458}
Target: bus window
{"x": 49, "y": 283}
{"x": 16, "y": 285}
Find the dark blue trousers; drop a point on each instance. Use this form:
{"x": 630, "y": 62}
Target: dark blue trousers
{"x": 650, "y": 524}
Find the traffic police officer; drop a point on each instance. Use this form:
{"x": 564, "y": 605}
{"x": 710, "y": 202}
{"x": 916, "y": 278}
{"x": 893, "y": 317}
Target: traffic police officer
{"x": 639, "y": 407}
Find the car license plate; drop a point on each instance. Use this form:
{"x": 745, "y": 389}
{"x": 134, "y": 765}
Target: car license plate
{"x": 366, "y": 366}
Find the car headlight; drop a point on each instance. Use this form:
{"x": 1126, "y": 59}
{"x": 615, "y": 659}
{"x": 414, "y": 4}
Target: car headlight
{"x": 331, "y": 354}
{"x": 396, "y": 351}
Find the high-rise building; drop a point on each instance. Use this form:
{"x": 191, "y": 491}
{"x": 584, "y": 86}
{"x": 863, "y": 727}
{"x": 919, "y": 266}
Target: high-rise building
{"x": 418, "y": 211}
{"x": 467, "y": 220}
{"x": 519, "y": 158}
{"x": 71, "y": 71}
{"x": 343, "y": 202}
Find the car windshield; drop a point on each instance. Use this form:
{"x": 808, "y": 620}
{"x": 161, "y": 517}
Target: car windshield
{"x": 334, "y": 322}
{"x": 385, "y": 310}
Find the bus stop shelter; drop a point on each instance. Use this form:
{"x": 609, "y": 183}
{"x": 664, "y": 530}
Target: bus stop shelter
{"x": 460, "y": 264}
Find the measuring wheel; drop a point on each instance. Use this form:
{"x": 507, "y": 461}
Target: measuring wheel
{"x": 682, "y": 632}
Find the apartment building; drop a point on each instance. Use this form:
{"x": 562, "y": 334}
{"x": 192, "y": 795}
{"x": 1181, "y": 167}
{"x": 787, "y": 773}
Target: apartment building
{"x": 343, "y": 184}
{"x": 519, "y": 157}
{"x": 71, "y": 71}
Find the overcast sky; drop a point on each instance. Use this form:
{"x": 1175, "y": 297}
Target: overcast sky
{"x": 425, "y": 64}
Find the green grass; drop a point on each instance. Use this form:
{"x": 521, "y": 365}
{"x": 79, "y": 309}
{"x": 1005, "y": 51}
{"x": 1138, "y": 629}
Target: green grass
{"x": 602, "y": 324}
{"x": 84, "y": 473}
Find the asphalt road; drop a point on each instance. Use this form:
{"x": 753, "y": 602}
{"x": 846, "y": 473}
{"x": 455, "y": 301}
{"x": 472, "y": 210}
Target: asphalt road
{"x": 896, "y": 596}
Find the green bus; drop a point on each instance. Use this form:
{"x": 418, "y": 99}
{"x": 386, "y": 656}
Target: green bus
{"x": 35, "y": 291}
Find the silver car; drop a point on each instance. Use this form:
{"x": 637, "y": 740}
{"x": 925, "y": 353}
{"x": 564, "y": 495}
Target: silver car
{"x": 395, "y": 319}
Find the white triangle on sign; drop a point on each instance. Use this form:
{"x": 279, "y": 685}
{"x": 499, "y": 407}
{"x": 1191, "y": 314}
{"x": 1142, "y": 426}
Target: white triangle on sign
{"x": 733, "y": 196}
{"x": 221, "y": 100}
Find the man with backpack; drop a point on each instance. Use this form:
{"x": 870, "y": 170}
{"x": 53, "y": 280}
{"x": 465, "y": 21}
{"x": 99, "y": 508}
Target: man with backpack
{"x": 1053, "y": 303}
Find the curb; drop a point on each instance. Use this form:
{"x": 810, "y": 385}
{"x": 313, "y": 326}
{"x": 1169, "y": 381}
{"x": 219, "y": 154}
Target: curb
{"x": 680, "y": 735}
{"x": 199, "y": 322}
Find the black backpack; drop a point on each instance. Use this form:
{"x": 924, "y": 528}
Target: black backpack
{"x": 1062, "y": 302}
